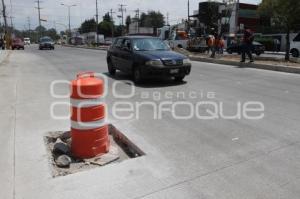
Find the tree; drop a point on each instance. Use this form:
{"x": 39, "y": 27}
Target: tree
{"x": 128, "y": 22}
{"x": 143, "y": 19}
{"x": 284, "y": 13}
{"x": 40, "y": 29}
{"x": 152, "y": 19}
{"x": 52, "y": 33}
{"x": 104, "y": 28}
{"x": 107, "y": 17}
{"x": 88, "y": 26}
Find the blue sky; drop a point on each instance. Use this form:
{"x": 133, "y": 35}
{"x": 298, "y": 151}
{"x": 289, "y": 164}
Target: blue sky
{"x": 56, "y": 14}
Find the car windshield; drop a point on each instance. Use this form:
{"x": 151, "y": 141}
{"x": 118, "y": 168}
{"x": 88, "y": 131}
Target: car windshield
{"x": 46, "y": 40}
{"x": 149, "y": 44}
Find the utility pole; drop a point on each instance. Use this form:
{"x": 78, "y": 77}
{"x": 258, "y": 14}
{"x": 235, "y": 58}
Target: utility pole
{"x": 137, "y": 16}
{"x": 112, "y": 22}
{"x": 97, "y": 22}
{"x": 6, "y": 33}
{"x": 167, "y": 18}
{"x": 39, "y": 14}
{"x": 188, "y": 10}
{"x": 122, "y": 10}
{"x": 11, "y": 17}
{"x": 69, "y": 15}
{"x": 237, "y": 15}
{"x": 29, "y": 29}
{"x": 4, "y": 16}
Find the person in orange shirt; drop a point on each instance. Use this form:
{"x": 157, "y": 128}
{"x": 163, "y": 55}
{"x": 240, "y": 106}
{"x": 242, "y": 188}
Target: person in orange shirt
{"x": 221, "y": 45}
{"x": 214, "y": 47}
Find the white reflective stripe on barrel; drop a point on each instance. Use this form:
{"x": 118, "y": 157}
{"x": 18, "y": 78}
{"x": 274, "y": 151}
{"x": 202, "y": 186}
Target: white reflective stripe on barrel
{"x": 82, "y": 103}
{"x": 88, "y": 125}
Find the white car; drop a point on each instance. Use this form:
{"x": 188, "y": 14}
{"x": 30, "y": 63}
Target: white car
{"x": 295, "y": 46}
{"x": 27, "y": 41}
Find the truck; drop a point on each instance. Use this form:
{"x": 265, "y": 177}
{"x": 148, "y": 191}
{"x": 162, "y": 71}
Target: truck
{"x": 174, "y": 37}
{"x": 295, "y": 46}
{"x": 179, "y": 38}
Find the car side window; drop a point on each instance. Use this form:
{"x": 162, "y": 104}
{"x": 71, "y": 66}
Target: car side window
{"x": 118, "y": 43}
{"x": 297, "y": 38}
{"x": 127, "y": 44}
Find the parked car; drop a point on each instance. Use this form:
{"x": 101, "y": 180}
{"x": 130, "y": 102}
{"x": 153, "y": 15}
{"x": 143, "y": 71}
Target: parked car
{"x": 46, "y": 43}
{"x": 144, "y": 57}
{"x": 27, "y": 41}
{"x": 257, "y": 48}
{"x": 17, "y": 43}
{"x": 295, "y": 46}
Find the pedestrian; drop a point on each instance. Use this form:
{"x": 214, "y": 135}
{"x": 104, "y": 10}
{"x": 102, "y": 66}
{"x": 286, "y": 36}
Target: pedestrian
{"x": 221, "y": 45}
{"x": 214, "y": 45}
{"x": 248, "y": 39}
{"x": 277, "y": 45}
{"x": 210, "y": 43}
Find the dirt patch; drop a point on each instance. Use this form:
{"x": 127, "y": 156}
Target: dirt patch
{"x": 63, "y": 163}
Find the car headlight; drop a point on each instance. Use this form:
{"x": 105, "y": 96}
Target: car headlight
{"x": 154, "y": 63}
{"x": 186, "y": 61}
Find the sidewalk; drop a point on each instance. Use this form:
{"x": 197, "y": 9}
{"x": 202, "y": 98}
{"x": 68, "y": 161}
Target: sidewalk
{"x": 261, "y": 62}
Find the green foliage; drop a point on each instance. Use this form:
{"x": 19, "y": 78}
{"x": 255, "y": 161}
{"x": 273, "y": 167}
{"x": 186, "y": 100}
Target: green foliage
{"x": 40, "y": 29}
{"x": 152, "y": 19}
{"x": 268, "y": 42}
{"x": 88, "y": 26}
{"x": 105, "y": 28}
{"x": 107, "y": 18}
{"x": 128, "y": 22}
{"x": 284, "y": 13}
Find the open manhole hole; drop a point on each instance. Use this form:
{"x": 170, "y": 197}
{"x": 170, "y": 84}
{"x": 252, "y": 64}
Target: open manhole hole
{"x": 63, "y": 163}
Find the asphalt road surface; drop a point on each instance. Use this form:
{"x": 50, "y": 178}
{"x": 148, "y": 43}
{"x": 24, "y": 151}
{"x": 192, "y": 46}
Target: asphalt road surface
{"x": 190, "y": 158}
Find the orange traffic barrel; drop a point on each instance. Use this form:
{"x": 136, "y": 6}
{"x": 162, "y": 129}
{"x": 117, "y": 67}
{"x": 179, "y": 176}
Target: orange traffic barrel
{"x": 89, "y": 130}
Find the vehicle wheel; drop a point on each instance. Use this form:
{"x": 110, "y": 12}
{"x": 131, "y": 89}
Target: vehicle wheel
{"x": 111, "y": 68}
{"x": 137, "y": 76}
{"x": 179, "y": 46}
{"x": 229, "y": 51}
{"x": 13, "y": 48}
{"x": 258, "y": 53}
{"x": 179, "y": 79}
{"x": 295, "y": 53}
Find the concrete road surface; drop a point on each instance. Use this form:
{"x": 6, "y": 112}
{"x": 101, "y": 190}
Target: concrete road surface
{"x": 185, "y": 158}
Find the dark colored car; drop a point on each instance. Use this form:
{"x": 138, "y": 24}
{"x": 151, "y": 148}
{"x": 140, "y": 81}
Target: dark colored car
{"x": 46, "y": 43}
{"x": 257, "y": 48}
{"x": 145, "y": 57}
{"x": 17, "y": 43}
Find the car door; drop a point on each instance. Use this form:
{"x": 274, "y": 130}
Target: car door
{"x": 126, "y": 55}
{"x": 116, "y": 53}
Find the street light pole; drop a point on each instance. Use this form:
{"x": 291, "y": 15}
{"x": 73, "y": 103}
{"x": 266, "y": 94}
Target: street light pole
{"x": 97, "y": 21}
{"x": 69, "y": 15}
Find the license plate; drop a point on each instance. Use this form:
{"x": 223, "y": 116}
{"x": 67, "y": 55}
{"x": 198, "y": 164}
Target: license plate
{"x": 174, "y": 71}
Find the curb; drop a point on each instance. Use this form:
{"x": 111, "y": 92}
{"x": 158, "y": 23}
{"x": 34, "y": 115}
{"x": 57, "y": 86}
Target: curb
{"x": 285, "y": 69}
{"x": 83, "y": 47}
